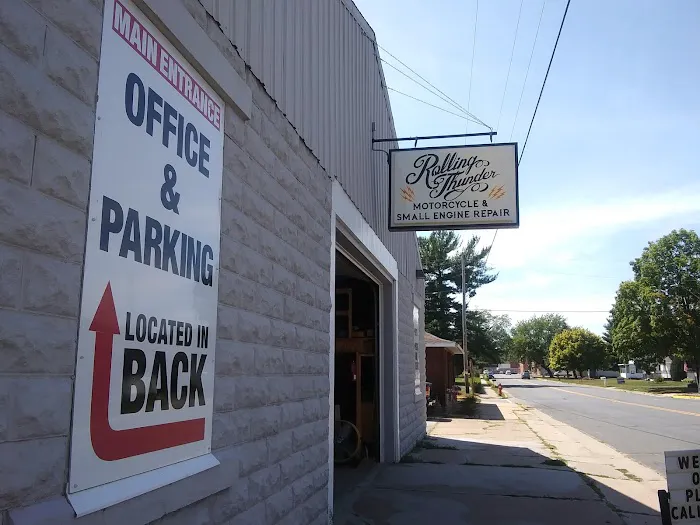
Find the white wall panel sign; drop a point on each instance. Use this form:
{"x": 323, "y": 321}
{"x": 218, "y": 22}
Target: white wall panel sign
{"x": 683, "y": 479}
{"x": 455, "y": 188}
{"x": 145, "y": 369}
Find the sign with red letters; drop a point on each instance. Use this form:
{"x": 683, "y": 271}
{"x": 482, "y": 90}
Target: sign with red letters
{"x": 144, "y": 382}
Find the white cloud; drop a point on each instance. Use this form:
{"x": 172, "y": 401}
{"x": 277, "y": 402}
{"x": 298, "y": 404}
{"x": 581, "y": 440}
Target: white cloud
{"x": 557, "y": 234}
{"x": 565, "y": 240}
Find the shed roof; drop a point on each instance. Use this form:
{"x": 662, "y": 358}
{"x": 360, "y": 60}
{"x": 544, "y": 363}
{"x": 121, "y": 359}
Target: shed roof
{"x": 433, "y": 341}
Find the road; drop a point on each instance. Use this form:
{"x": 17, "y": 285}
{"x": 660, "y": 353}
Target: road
{"x": 640, "y": 426}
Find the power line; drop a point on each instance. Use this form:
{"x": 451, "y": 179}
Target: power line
{"x": 471, "y": 69}
{"x": 527, "y": 72}
{"x": 510, "y": 64}
{"x": 563, "y": 19}
{"x": 429, "y": 104}
{"x": 476, "y": 119}
{"x": 544, "y": 82}
{"x": 553, "y": 311}
{"x": 424, "y": 87}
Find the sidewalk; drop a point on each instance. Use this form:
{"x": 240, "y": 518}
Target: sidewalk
{"x": 513, "y": 465}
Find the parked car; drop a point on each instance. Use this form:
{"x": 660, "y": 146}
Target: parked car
{"x": 509, "y": 372}
{"x": 525, "y": 375}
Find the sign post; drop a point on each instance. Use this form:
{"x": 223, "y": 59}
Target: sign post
{"x": 454, "y": 187}
{"x": 144, "y": 381}
{"x": 683, "y": 480}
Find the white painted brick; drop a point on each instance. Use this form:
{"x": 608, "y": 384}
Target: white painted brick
{"x": 22, "y": 29}
{"x": 244, "y": 261}
{"x": 258, "y": 209}
{"x": 295, "y": 311}
{"x": 265, "y": 421}
{"x": 269, "y": 302}
{"x": 79, "y": 19}
{"x": 313, "y": 410}
{"x": 235, "y": 128}
{"x": 323, "y": 300}
{"x": 253, "y": 516}
{"x": 33, "y": 343}
{"x": 282, "y": 334}
{"x": 252, "y": 456}
{"x": 197, "y": 514}
{"x": 263, "y": 483}
{"x": 51, "y": 286}
{"x": 294, "y": 362}
{"x": 6, "y": 394}
{"x": 233, "y": 358}
{"x": 251, "y": 392}
{"x": 70, "y": 66}
{"x": 231, "y": 502}
{"x": 230, "y": 428}
{"x": 259, "y": 151}
{"x": 293, "y": 468}
{"x": 31, "y": 470}
{"x": 61, "y": 173}
{"x": 254, "y": 328}
{"x": 292, "y": 414}
{"x": 307, "y": 485}
{"x": 280, "y": 504}
{"x": 284, "y": 281}
{"x": 269, "y": 360}
{"x": 285, "y": 230}
{"x": 232, "y": 191}
{"x": 237, "y": 291}
{"x": 237, "y": 226}
{"x": 224, "y": 393}
{"x": 16, "y": 149}
{"x": 306, "y": 292}
{"x": 28, "y": 95}
{"x": 10, "y": 276}
{"x": 41, "y": 406}
{"x": 279, "y": 446}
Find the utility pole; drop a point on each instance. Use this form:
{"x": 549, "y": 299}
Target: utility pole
{"x": 464, "y": 330}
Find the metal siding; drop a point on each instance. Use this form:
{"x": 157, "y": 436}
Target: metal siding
{"x": 319, "y": 62}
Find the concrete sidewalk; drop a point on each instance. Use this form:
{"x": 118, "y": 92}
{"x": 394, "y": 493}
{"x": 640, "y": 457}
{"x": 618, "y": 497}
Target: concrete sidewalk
{"x": 512, "y": 465}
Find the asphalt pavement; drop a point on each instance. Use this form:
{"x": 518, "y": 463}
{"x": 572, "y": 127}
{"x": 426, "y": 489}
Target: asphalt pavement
{"x": 638, "y": 425}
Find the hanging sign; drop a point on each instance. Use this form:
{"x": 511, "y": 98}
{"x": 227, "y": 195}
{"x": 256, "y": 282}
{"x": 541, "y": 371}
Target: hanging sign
{"x": 144, "y": 384}
{"x": 454, "y": 188}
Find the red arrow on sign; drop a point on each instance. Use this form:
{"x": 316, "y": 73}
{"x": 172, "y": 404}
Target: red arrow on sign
{"x": 110, "y": 444}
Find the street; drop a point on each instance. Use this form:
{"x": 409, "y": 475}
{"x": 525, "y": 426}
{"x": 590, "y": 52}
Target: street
{"x": 640, "y": 426}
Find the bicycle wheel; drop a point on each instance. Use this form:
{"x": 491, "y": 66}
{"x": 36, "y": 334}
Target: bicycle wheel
{"x": 346, "y": 442}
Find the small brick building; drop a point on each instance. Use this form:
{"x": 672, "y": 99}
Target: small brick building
{"x": 440, "y": 365}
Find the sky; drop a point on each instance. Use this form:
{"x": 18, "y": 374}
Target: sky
{"x": 612, "y": 160}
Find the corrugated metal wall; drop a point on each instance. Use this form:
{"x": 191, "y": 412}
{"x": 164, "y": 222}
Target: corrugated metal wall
{"x": 318, "y": 60}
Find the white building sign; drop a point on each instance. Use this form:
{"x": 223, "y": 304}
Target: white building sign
{"x": 456, "y": 187}
{"x": 144, "y": 382}
{"x": 683, "y": 479}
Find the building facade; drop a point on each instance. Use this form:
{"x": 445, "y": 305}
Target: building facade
{"x": 315, "y": 305}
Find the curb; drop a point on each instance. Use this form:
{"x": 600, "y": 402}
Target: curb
{"x": 674, "y": 396}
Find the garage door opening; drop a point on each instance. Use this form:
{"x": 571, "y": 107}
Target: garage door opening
{"x": 356, "y": 385}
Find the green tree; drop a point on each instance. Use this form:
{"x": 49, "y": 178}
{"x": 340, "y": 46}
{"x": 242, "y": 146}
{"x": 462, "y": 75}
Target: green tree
{"x": 612, "y": 359}
{"x": 441, "y": 258}
{"x": 576, "y": 349}
{"x": 531, "y": 339}
{"x": 669, "y": 272}
{"x": 634, "y": 333}
{"x": 488, "y": 336}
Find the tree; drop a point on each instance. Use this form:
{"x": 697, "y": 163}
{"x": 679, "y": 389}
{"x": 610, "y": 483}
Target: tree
{"x": 634, "y": 334}
{"x": 576, "y": 349}
{"x": 441, "y": 258}
{"x": 669, "y": 273}
{"x": 531, "y": 339}
{"x": 612, "y": 359}
{"x": 488, "y": 336}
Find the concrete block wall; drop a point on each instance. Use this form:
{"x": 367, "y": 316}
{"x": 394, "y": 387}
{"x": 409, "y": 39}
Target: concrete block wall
{"x": 270, "y": 429}
{"x": 49, "y": 54}
{"x": 412, "y": 411}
